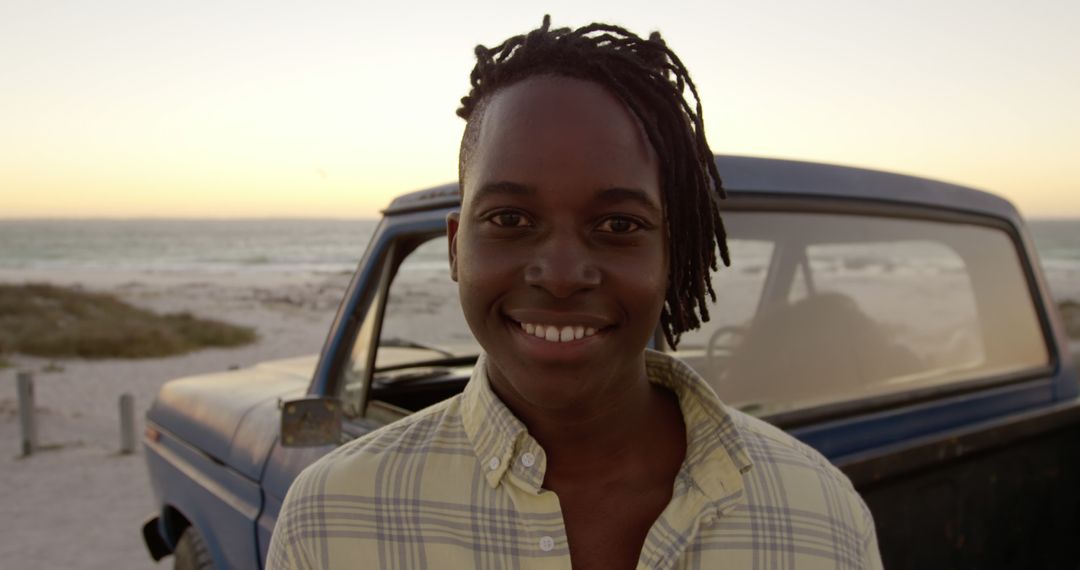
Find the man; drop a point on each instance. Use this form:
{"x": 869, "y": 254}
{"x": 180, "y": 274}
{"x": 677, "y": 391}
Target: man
{"x": 588, "y": 216}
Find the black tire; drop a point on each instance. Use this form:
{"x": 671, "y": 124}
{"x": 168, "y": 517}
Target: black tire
{"x": 191, "y": 552}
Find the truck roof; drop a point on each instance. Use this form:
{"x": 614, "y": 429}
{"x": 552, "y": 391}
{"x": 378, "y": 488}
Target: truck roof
{"x": 745, "y": 175}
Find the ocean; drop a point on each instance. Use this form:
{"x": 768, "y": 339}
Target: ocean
{"x": 185, "y": 245}
{"x": 1058, "y": 245}
{"x": 314, "y": 245}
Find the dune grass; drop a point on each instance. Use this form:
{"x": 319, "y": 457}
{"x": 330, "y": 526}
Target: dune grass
{"x": 46, "y": 320}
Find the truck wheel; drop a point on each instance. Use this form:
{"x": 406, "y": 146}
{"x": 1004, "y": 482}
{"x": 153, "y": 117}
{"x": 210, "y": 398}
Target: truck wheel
{"x": 191, "y": 552}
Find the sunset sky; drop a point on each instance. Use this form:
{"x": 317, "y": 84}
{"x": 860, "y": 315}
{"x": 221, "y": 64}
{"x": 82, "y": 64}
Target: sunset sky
{"x": 329, "y": 109}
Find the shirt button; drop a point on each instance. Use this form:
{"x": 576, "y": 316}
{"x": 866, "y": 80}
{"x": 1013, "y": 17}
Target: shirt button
{"x": 547, "y": 543}
{"x": 528, "y": 459}
{"x": 493, "y": 463}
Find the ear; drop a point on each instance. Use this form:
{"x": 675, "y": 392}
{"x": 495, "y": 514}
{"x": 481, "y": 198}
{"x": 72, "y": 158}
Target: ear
{"x": 452, "y": 221}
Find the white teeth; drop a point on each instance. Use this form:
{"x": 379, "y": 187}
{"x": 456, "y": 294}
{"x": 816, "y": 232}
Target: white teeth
{"x": 553, "y": 333}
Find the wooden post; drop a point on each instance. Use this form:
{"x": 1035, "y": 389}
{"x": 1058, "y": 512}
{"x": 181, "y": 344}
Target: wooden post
{"x": 27, "y": 419}
{"x": 127, "y": 424}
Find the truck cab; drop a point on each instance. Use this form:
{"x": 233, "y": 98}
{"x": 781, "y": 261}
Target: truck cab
{"x": 899, "y": 325}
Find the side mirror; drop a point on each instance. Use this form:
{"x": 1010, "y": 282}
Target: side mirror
{"x": 309, "y": 422}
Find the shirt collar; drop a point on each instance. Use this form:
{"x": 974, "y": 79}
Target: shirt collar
{"x": 499, "y": 439}
{"x": 716, "y": 456}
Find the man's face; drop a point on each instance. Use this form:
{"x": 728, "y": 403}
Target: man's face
{"x": 560, "y": 249}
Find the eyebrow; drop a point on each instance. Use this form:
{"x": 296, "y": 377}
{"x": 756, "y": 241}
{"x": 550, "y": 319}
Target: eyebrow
{"x": 503, "y": 189}
{"x": 618, "y": 194}
{"x": 614, "y": 194}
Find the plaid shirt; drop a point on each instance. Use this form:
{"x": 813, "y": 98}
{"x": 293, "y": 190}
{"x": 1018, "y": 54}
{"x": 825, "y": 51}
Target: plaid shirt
{"x": 458, "y": 485}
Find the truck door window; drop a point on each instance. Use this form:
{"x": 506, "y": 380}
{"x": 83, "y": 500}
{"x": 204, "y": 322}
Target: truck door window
{"x": 421, "y": 338}
{"x": 423, "y": 319}
{"x": 873, "y": 306}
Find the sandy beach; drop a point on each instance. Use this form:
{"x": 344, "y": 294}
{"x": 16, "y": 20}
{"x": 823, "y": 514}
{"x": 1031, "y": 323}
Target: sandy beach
{"x": 78, "y": 502}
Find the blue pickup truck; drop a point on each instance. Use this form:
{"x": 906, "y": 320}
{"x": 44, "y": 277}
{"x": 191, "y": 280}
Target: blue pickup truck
{"x": 901, "y": 326}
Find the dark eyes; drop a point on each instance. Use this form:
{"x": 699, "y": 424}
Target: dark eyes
{"x": 611, "y": 224}
{"x": 619, "y": 225}
{"x": 509, "y": 220}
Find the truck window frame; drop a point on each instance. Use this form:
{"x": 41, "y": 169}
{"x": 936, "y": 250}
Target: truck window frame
{"x": 398, "y": 247}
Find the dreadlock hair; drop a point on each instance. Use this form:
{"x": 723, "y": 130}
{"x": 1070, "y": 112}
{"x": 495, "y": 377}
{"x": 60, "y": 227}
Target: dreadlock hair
{"x": 650, "y": 79}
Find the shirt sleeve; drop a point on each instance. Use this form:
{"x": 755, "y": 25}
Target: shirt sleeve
{"x": 287, "y": 548}
{"x": 871, "y": 554}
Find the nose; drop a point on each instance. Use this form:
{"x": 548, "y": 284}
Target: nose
{"x": 562, "y": 266}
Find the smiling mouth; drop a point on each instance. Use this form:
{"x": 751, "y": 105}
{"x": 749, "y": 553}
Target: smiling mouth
{"x": 554, "y": 333}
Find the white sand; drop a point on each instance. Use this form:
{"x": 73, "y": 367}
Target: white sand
{"x": 80, "y": 504}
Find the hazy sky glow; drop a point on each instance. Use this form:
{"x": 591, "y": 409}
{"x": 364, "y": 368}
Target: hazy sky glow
{"x": 252, "y": 109}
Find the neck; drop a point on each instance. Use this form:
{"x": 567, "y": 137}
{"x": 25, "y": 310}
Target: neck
{"x": 609, "y": 434}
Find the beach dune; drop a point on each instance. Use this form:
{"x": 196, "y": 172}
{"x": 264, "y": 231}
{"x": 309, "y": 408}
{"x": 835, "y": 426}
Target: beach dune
{"x": 77, "y": 502}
